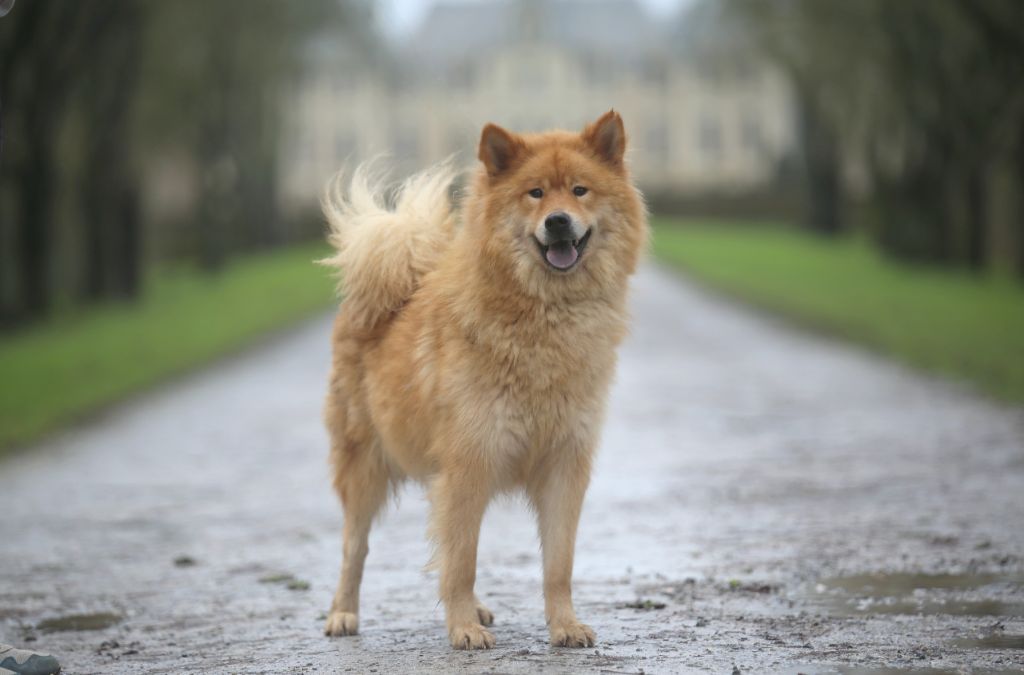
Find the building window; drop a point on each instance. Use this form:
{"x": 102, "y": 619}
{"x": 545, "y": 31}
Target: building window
{"x": 407, "y": 144}
{"x": 657, "y": 143}
{"x": 305, "y": 144}
{"x": 458, "y": 141}
{"x": 344, "y": 147}
{"x": 530, "y": 77}
{"x": 710, "y": 140}
{"x": 655, "y": 72}
{"x": 751, "y": 135}
{"x": 341, "y": 84}
{"x": 462, "y": 77}
{"x": 599, "y": 71}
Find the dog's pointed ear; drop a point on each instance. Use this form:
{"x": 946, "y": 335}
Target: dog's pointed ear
{"x": 607, "y": 138}
{"x": 499, "y": 149}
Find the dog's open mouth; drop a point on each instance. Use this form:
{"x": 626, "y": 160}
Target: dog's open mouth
{"x": 563, "y": 255}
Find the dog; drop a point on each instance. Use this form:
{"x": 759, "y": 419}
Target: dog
{"x": 474, "y": 350}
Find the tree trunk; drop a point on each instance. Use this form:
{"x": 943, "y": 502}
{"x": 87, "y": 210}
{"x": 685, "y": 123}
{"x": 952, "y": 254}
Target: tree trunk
{"x": 820, "y": 149}
{"x": 111, "y": 228}
{"x": 94, "y": 259}
{"x": 217, "y": 163}
{"x": 1020, "y": 200}
{"x": 128, "y": 277}
{"x": 34, "y": 241}
{"x": 976, "y": 218}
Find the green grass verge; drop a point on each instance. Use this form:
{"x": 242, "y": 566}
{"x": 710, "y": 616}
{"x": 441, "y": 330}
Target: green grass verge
{"x": 59, "y": 371}
{"x": 953, "y": 323}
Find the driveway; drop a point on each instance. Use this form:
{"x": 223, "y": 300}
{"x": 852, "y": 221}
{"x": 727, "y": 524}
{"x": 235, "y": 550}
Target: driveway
{"x": 765, "y": 501}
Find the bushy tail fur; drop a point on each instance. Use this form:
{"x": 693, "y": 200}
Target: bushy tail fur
{"x": 381, "y": 252}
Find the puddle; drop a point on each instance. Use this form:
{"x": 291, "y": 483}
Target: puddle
{"x": 80, "y": 622}
{"x": 895, "y": 671}
{"x": 996, "y": 641}
{"x": 853, "y": 670}
{"x": 911, "y": 607}
{"x": 916, "y": 594}
{"x": 644, "y": 604}
{"x": 886, "y": 585}
{"x": 288, "y": 580}
{"x": 847, "y": 670}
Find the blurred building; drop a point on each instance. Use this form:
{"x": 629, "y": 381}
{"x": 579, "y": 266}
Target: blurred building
{"x": 699, "y": 119}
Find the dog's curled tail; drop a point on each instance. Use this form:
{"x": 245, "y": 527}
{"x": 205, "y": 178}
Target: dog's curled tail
{"x": 382, "y": 252}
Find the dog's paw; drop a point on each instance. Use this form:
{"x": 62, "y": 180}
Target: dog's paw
{"x": 573, "y": 634}
{"x": 485, "y": 615}
{"x": 471, "y": 636}
{"x": 341, "y": 623}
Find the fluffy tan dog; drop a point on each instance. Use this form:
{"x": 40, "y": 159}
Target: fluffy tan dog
{"x": 474, "y": 351}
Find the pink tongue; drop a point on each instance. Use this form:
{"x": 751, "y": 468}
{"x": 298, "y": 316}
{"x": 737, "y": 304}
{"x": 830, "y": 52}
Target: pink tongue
{"x": 562, "y": 255}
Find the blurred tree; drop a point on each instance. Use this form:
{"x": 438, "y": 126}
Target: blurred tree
{"x": 93, "y": 93}
{"x": 950, "y": 97}
{"x": 925, "y": 95}
{"x": 216, "y": 76}
{"x": 808, "y": 41}
{"x": 110, "y": 197}
{"x": 40, "y": 47}
{"x": 1000, "y": 26}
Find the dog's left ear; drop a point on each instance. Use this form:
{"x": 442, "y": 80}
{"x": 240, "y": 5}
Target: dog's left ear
{"x": 607, "y": 138}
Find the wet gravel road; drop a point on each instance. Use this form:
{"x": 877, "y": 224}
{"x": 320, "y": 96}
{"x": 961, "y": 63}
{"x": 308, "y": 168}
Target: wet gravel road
{"x": 765, "y": 500}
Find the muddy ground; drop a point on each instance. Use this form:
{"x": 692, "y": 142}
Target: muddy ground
{"x": 765, "y": 501}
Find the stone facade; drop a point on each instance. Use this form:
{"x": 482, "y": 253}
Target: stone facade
{"x": 697, "y": 122}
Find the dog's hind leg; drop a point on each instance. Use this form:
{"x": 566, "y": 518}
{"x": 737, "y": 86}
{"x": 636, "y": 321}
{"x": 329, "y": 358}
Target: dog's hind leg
{"x": 485, "y": 615}
{"x": 362, "y": 481}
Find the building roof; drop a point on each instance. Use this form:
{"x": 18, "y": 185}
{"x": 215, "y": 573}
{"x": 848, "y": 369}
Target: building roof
{"x": 455, "y": 31}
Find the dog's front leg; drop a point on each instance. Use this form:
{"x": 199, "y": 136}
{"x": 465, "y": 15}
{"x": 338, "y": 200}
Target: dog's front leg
{"x": 557, "y": 495}
{"x": 460, "y": 497}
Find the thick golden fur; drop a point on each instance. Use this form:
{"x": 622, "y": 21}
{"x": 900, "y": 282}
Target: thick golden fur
{"x": 462, "y": 359}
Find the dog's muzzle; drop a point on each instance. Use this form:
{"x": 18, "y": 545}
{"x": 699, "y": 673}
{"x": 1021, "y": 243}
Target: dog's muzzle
{"x": 562, "y": 240}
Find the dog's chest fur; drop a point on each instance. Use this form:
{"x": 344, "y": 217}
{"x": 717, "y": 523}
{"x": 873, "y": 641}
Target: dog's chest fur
{"x": 497, "y": 375}
{"x": 549, "y": 352}
{"x": 538, "y": 379}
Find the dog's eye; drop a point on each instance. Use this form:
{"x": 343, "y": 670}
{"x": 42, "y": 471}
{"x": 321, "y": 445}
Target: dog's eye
{"x": 536, "y": 193}
{"x": 579, "y": 190}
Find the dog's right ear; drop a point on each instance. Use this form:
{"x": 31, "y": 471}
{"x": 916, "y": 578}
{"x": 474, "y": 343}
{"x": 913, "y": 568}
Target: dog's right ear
{"x": 499, "y": 149}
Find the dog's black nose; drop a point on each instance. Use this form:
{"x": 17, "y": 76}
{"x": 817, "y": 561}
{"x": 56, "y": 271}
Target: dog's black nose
{"x": 559, "y": 224}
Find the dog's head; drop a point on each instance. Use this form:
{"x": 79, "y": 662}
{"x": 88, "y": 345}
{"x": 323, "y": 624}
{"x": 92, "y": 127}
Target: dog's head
{"x": 558, "y": 209}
